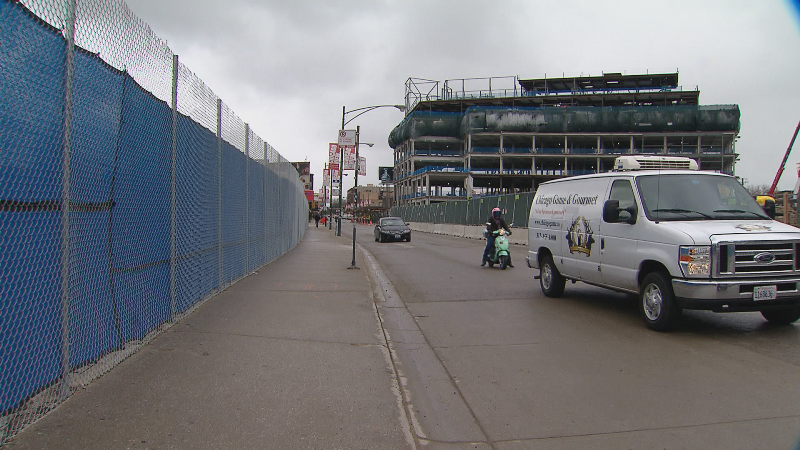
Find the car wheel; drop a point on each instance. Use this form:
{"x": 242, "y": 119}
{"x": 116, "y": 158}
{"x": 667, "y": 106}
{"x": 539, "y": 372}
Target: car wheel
{"x": 783, "y": 316}
{"x": 657, "y": 304}
{"x": 551, "y": 281}
{"x": 408, "y": 239}
{"x": 503, "y": 262}
{"x": 382, "y": 238}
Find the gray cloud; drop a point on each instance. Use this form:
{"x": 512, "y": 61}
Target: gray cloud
{"x": 288, "y": 67}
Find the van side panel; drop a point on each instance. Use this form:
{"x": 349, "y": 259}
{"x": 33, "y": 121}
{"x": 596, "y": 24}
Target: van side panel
{"x": 545, "y": 223}
{"x": 563, "y": 219}
{"x": 581, "y": 250}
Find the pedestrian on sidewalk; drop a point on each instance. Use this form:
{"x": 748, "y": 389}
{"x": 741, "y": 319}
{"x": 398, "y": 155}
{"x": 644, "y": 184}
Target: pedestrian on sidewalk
{"x": 316, "y": 218}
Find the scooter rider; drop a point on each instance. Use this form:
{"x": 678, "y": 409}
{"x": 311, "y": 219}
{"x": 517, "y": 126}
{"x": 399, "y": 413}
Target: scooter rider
{"x": 494, "y": 223}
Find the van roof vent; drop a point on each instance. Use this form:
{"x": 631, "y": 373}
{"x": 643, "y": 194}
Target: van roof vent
{"x": 625, "y": 163}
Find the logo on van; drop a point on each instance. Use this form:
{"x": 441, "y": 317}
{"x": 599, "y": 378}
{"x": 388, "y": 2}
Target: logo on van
{"x": 748, "y": 227}
{"x": 580, "y": 237}
{"x": 764, "y": 258}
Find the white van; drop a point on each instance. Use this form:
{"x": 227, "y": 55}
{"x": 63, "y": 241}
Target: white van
{"x": 677, "y": 237}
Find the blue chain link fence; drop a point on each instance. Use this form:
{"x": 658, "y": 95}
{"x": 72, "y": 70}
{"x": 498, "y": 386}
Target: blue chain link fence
{"x": 129, "y": 194}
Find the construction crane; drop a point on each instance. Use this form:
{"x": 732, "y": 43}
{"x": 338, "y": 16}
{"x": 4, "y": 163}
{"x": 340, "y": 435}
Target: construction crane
{"x": 783, "y": 163}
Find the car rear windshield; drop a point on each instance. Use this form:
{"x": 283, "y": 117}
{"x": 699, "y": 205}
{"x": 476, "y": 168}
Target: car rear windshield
{"x": 696, "y": 196}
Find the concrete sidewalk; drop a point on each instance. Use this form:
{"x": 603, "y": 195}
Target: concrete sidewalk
{"x": 292, "y": 357}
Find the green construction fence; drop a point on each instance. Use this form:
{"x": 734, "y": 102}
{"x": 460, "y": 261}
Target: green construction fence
{"x": 474, "y": 211}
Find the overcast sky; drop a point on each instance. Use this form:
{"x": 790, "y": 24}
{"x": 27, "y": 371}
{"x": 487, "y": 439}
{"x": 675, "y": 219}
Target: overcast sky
{"x": 288, "y": 67}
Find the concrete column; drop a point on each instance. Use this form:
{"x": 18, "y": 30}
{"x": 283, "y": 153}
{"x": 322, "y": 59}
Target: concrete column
{"x": 428, "y": 185}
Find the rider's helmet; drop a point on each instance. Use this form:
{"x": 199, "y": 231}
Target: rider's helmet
{"x": 496, "y": 213}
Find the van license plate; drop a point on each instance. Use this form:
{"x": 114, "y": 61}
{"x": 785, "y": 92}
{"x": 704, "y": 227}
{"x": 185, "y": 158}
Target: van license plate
{"x": 764, "y": 293}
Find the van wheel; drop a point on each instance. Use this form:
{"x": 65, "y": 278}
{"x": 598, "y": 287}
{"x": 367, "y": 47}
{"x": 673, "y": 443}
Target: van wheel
{"x": 657, "y": 303}
{"x": 783, "y": 316}
{"x": 551, "y": 281}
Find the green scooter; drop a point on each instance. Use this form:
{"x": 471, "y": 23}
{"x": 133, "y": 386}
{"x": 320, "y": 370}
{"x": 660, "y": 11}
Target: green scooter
{"x": 501, "y": 255}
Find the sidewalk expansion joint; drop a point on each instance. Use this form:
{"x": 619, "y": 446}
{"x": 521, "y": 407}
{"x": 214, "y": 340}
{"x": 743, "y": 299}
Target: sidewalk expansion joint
{"x": 282, "y": 338}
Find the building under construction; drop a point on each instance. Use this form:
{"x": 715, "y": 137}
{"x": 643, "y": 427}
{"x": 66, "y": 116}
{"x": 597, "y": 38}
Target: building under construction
{"x": 470, "y": 137}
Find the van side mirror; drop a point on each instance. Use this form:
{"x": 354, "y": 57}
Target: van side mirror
{"x": 633, "y": 211}
{"x": 611, "y": 212}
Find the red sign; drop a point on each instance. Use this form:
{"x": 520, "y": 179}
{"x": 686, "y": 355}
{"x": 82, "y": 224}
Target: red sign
{"x": 349, "y": 157}
{"x": 333, "y": 154}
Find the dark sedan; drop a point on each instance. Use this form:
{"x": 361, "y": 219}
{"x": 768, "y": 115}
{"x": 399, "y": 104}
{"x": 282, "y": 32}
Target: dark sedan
{"x": 392, "y": 229}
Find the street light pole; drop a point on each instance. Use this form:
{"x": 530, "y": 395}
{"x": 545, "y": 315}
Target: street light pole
{"x": 355, "y": 200}
{"x": 330, "y": 199}
{"x": 341, "y": 183}
{"x": 345, "y": 112}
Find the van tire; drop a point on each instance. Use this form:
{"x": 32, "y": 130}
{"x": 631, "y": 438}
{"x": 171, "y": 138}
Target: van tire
{"x": 783, "y": 316}
{"x": 551, "y": 281}
{"x": 657, "y": 304}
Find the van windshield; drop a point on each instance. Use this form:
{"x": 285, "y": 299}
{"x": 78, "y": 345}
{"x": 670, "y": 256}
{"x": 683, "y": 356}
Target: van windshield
{"x": 697, "y": 196}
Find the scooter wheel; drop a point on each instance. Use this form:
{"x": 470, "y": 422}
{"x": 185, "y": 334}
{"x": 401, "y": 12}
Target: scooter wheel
{"x": 503, "y": 262}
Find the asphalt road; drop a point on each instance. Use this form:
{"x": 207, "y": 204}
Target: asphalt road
{"x": 489, "y": 362}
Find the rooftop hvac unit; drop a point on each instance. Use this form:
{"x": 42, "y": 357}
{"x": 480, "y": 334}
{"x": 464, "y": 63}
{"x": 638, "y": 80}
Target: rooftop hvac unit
{"x": 626, "y": 163}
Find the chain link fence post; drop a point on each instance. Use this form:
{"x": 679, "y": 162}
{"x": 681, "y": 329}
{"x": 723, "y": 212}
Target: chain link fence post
{"x": 173, "y": 192}
{"x": 65, "y": 196}
{"x": 219, "y": 194}
{"x": 247, "y": 196}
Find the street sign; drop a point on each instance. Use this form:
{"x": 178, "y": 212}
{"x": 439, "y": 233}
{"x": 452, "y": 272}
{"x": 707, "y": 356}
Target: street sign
{"x": 347, "y": 137}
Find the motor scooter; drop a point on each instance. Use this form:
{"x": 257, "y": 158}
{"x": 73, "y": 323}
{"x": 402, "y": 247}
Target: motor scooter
{"x": 500, "y": 255}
